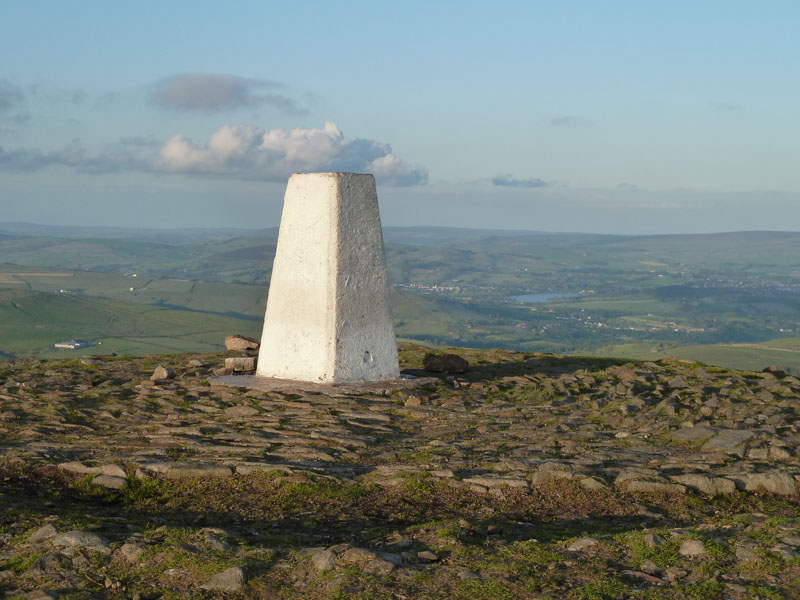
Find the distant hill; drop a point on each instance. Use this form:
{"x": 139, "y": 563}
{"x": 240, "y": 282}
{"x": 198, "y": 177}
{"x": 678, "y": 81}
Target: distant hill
{"x": 729, "y": 298}
{"x": 165, "y": 235}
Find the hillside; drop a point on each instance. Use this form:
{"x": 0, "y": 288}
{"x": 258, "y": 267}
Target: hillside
{"x": 530, "y": 476}
{"x": 31, "y": 322}
{"x": 727, "y": 299}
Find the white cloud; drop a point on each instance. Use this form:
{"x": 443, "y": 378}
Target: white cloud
{"x": 234, "y": 151}
{"x": 252, "y": 152}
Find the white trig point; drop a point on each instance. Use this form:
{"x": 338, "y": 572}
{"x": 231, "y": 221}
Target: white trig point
{"x": 328, "y": 318}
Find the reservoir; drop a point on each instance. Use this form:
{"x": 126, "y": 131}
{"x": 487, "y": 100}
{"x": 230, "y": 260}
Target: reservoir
{"x": 538, "y": 298}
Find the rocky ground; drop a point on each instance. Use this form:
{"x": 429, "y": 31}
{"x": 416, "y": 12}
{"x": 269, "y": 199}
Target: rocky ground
{"x": 530, "y": 476}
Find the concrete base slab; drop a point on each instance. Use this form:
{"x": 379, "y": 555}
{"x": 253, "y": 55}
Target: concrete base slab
{"x": 274, "y": 384}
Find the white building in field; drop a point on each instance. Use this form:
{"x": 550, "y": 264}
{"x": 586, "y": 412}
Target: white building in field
{"x": 73, "y": 344}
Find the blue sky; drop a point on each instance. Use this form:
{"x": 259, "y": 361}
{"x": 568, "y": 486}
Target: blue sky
{"x": 615, "y": 117}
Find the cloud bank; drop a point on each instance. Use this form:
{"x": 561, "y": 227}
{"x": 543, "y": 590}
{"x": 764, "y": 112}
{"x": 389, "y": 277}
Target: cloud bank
{"x": 235, "y": 151}
{"x": 10, "y": 95}
{"x": 509, "y": 181}
{"x": 124, "y": 155}
{"x": 211, "y": 93}
{"x": 254, "y": 153}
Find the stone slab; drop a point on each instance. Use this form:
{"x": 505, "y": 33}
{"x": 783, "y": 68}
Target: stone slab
{"x": 274, "y": 384}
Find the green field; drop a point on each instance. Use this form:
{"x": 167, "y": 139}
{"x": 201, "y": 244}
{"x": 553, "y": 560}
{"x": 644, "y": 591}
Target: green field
{"x": 170, "y": 316}
{"x": 31, "y": 322}
{"x": 237, "y": 299}
{"x": 783, "y": 353}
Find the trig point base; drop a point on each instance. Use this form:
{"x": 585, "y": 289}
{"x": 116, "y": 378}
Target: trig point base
{"x": 328, "y": 318}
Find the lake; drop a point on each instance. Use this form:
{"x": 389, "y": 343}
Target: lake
{"x": 538, "y": 298}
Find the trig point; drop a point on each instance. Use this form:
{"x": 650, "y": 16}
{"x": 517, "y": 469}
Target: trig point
{"x": 328, "y": 317}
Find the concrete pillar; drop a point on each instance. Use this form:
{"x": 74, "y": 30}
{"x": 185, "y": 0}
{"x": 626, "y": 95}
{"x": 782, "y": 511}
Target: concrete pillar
{"x": 328, "y": 317}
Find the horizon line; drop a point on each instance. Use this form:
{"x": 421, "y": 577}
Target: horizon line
{"x": 119, "y": 228}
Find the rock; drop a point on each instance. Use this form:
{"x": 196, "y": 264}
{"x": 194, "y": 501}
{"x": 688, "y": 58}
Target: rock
{"x": 745, "y": 551}
{"x": 45, "y": 563}
{"x": 215, "y": 544}
{"x": 79, "y": 467}
{"x": 641, "y": 485}
{"x": 592, "y": 483}
{"x": 189, "y": 470}
{"x": 497, "y": 482}
{"x": 633, "y": 405}
{"x": 494, "y": 529}
{"x": 427, "y": 556}
{"x": 413, "y": 400}
{"x": 229, "y": 580}
{"x": 775, "y": 481}
{"x": 82, "y": 539}
{"x": 162, "y": 373}
{"x": 393, "y": 558}
{"x": 40, "y": 595}
{"x": 780, "y": 452}
{"x": 758, "y": 453}
{"x": 43, "y": 533}
{"x": 195, "y": 363}
{"x": 110, "y": 481}
{"x": 692, "y": 548}
{"x": 466, "y": 574}
{"x": 692, "y": 434}
{"x": 727, "y": 440}
{"x": 551, "y": 471}
{"x": 582, "y": 544}
{"x": 545, "y": 477}
{"x": 132, "y": 551}
{"x": 240, "y": 410}
{"x": 642, "y": 575}
{"x": 323, "y": 560}
{"x": 353, "y": 555}
{"x": 241, "y": 364}
{"x": 678, "y": 382}
{"x": 623, "y": 372}
{"x": 240, "y": 343}
{"x": 652, "y": 540}
{"x": 705, "y": 484}
{"x": 791, "y": 540}
{"x": 649, "y": 566}
{"x": 445, "y": 363}
{"x": 734, "y": 590}
{"x": 378, "y": 566}
{"x": 784, "y": 551}
{"x": 673, "y": 573}
{"x": 112, "y": 470}
{"x": 773, "y": 370}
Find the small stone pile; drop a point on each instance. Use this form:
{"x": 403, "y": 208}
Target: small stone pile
{"x": 241, "y": 345}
